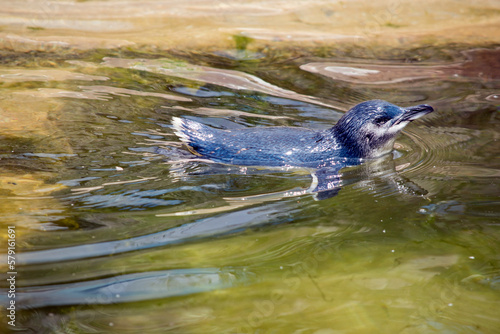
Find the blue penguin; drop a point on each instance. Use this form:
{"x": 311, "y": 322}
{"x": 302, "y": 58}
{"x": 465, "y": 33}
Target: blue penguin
{"x": 366, "y": 131}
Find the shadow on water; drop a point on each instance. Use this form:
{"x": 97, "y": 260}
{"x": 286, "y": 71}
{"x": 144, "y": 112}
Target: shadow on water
{"x": 119, "y": 237}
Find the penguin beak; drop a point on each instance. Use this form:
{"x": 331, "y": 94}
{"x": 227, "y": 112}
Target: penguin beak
{"x": 412, "y": 113}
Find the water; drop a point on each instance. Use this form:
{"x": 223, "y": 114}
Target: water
{"x": 114, "y": 237}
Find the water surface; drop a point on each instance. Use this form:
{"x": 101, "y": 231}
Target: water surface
{"x": 115, "y": 237}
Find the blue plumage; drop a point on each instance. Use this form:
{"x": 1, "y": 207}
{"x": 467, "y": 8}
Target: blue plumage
{"x": 259, "y": 146}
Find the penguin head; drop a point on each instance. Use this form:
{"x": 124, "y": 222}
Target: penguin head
{"x": 370, "y": 128}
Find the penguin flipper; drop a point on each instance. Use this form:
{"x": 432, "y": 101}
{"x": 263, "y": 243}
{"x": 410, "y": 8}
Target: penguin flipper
{"x": 326, "y": 182}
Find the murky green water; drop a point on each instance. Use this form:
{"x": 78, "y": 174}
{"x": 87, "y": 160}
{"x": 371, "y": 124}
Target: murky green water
{"x": 113, "y": 237}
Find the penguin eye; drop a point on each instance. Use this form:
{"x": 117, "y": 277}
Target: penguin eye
{"x": 381, "y": 120}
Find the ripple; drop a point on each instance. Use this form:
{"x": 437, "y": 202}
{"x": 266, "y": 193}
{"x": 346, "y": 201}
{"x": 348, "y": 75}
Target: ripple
{"x": 419, "y": 154}
{"x": 225, "y": 112}
{"x": 373, "y": 74}
{"x": 222, "y": 224}
{"x": 448, "y": 152}
{"x": 226, "y": 78}
{"x": 9, "y": 75}
{"x": 479, "y": 63}
{"x": 127, "y": 92}
{"x": 101, "y": 93}
{"x": 131, "y": 287}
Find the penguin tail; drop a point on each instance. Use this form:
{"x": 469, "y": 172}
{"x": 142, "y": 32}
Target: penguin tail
{"x": 195, "y": 135}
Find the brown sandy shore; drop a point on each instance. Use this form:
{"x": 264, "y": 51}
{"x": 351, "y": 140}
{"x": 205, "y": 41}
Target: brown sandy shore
{"x": 208, "y": 24}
